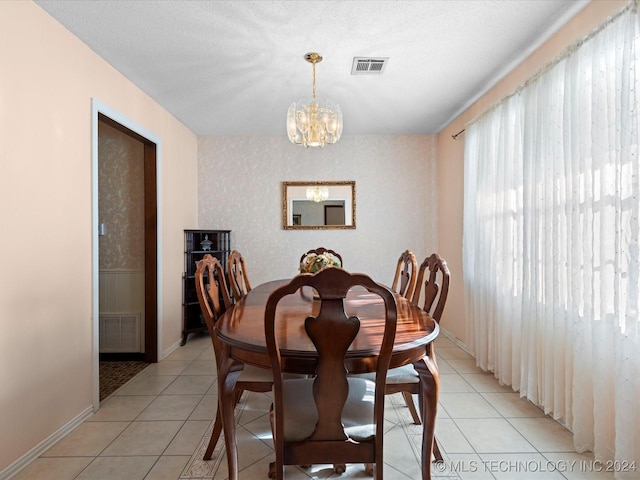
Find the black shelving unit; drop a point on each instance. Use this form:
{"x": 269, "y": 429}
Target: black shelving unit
{"x": 197, "y": 243}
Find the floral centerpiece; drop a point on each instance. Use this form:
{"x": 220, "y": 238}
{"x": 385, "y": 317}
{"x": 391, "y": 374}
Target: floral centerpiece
{"x": 314, "y": 262}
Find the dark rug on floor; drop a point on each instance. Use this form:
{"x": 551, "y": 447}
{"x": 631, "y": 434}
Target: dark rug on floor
{"x": 115, "y": 374}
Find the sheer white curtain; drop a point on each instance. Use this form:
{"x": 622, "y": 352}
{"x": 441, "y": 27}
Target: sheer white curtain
{"x": 551, "y": 242}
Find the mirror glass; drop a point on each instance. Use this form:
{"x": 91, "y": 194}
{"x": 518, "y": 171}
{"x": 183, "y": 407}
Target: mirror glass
{"x": 318, "y": 205}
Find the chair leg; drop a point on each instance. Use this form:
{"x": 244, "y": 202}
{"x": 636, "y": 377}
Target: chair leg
{"x": 215, "y": 435}
{"x": 217, "y": 428}
{"x": 408, "y": 399}
{"x": 239, "y": 393}
{"x": 436, "y": 452}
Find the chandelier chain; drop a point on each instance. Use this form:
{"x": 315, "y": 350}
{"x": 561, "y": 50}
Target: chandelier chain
{"x": 314, "y": 80}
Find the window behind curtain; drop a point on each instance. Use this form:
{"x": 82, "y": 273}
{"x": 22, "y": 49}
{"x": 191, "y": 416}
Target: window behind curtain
{"x": 551, "y": 241}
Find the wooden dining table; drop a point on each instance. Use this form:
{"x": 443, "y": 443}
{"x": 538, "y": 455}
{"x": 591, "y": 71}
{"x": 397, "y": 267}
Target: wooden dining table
{"x": 241, "y": 334}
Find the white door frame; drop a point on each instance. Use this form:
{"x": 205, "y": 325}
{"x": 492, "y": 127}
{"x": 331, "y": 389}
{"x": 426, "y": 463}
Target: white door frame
{"x": 96, "y": 108}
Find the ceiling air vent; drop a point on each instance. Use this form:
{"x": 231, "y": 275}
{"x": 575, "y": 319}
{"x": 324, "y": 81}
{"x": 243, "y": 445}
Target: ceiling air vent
{"x": 369, "y": 66}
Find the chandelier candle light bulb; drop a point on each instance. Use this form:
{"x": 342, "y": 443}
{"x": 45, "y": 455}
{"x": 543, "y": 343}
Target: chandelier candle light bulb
{"x": 314, "y": 122}
{"x": 317, "y": 194}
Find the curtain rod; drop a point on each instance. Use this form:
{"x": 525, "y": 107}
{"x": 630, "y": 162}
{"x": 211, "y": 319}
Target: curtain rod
{"x": 455, "y": 137}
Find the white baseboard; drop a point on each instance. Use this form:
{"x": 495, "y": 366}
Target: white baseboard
{"x": 167, "y": 352}
{"x": 43, "y": 446}
{"x": 456, "y": 340}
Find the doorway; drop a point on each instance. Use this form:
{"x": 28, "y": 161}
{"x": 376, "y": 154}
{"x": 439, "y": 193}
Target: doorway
{"x": 149, "y": 329}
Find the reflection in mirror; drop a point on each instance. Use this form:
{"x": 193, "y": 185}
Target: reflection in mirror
{"x": 318, "y": 205}
{"x": 308, "y": 212}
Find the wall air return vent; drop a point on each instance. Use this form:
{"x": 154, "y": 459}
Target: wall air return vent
{"x": 120, "y": 332}
{"x": 369, "y": 66}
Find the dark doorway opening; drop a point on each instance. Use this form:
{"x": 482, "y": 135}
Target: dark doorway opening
{"x": 149, "y": 330}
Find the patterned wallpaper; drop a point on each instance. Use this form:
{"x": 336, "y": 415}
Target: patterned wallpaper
{"x": 240, "y": 188}
{"x": 121, "y": 199}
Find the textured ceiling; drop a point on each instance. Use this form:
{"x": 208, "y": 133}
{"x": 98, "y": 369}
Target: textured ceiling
{"x": 234, "y": 67}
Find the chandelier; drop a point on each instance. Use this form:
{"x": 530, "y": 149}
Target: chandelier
{"x": 314, "y": 122}
{"x": 317, "y": 194}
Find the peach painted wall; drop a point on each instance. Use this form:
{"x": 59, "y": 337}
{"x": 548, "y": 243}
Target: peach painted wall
{"x": 451, "y": 152}
{"x": 47, "y": 81}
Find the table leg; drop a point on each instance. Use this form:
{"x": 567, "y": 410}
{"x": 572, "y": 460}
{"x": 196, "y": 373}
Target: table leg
{"x": 228, "y": 373}
{"x": 429, "y": 392}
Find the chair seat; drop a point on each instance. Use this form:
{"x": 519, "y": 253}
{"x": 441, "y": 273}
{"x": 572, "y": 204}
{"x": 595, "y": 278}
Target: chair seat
{"x": 404, "y": 374}
{"x": 301, "y": 415}
{"x": 254, "y": 374}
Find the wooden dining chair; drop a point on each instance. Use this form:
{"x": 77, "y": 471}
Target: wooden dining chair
{"x": 404, "y": 281}
{"x": 332, "y": 417}
{"x": 214, "y": 300}
{"x": 238, "y": 278}
{"x": 436, "y": 288}
{"x": 320, "y": 251}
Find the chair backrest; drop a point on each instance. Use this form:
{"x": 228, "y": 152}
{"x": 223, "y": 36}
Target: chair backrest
{"x": 331, "y": 331}
{"x": 404, "y": 281}
{"x": 320, "y": 251}
{"x": 238, "y": 278}
{"x": 211, "y": 287}
{"x": 436, "y": 285}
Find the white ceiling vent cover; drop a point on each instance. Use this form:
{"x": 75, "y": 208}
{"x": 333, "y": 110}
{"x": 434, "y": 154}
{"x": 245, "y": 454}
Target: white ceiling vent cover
{"x": 369, "y": 66}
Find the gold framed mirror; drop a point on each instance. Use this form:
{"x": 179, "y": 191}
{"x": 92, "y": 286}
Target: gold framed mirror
{"x": 318, "y": 205}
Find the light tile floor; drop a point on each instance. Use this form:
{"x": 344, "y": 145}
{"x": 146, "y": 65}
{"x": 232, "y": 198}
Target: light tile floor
{"x": 152, "y": 426}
